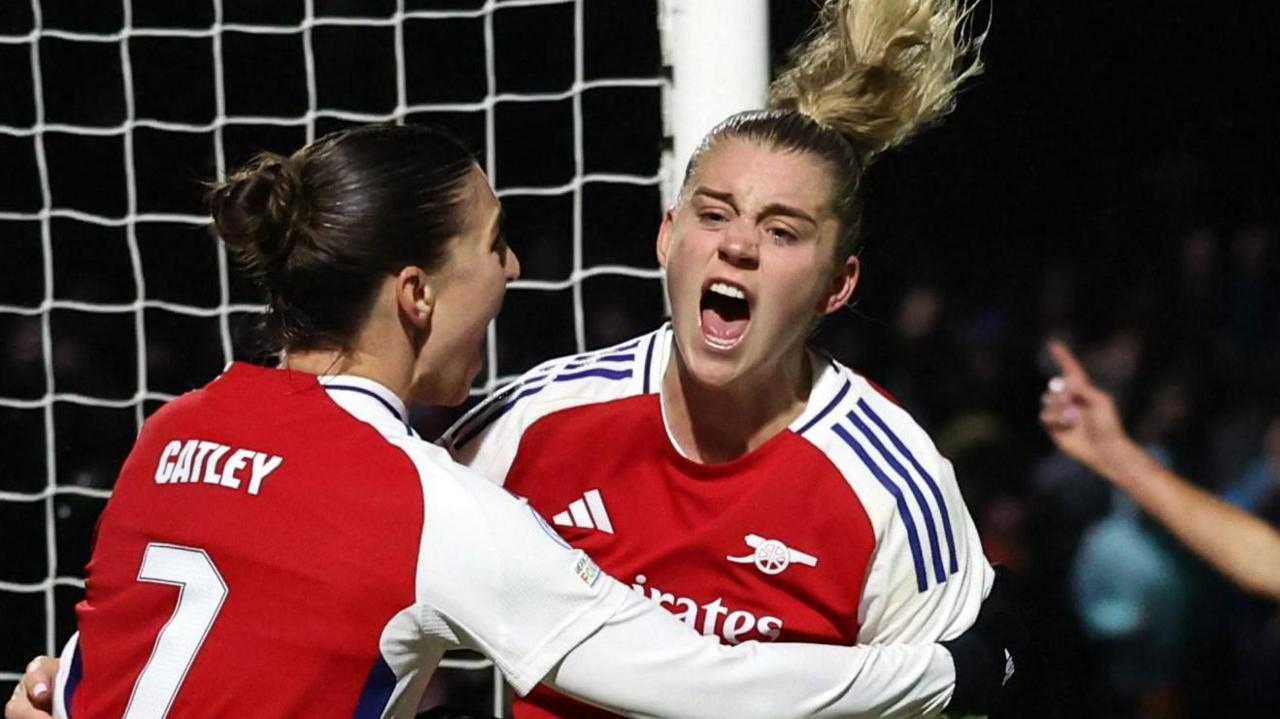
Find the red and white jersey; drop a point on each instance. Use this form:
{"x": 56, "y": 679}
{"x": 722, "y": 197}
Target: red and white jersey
{"x": 846, "y": 528}
{"x": 280, "y": 547}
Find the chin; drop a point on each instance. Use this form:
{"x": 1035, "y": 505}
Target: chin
{"x": 450, "y": 384}
{"x": 462, "y": 391}
{"x": 457, "y": 394}
{"x": 442, "y": 393}
{"x": 713, "y": 369}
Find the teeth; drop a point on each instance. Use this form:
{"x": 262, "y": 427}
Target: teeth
{"x": 720, "y": 344}
{"x": 721, "y": 288}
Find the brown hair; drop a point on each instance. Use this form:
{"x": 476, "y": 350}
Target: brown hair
{"x": 317, "y": 230}
{"x": 870, "y": 74}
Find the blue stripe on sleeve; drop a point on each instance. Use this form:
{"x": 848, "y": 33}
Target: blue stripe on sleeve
{"x": 648, "y": 360}
{"x": 621, "y": 353}
{"x": 482, "y": 423}
{"x": 928, "y": 478}
{"x": 901, "y": 471}
{"x": 489, "y": 410}
{"x": 827, "y": 410}
{"x": 481, "y": 411}
{"x": 73, "y": 679}
{"x": 613, "y": 374}
{"x": 922, "y": 579}
{"x": 376, "y": 694}
{"x": 621, "y": 357}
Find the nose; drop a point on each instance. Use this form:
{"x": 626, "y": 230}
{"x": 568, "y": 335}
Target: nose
{"x": 738, "y": 246}
{"x": 512, "y": 266}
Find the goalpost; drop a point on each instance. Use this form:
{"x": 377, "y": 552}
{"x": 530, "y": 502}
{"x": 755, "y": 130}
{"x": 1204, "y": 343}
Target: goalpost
{"x": 113, "y": 299}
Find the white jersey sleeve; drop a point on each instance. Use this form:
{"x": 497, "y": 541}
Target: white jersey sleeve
{"x": 897, "y": 611}
{"x": 493, "y": 577}
{"x": 928, "y": 576}
{"x": 644, "y": 662}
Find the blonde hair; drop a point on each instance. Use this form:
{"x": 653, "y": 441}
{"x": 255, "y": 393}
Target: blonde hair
{"x": 877, "y": 71}
{"x": 869, "y": 75}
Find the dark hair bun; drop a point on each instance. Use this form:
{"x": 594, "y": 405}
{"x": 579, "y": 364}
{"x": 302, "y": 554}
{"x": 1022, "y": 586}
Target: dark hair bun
{"x": 260, "y": 211}
{"x": 318, "y": 231}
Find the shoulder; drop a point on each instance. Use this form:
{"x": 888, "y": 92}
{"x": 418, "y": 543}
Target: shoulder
{"x": 451, "y": 496}
{"x": 850, "y": 414}
{"x": 628, "y": 369}
{"x": 887, "y": 458}
{"x": 929, "y": 575}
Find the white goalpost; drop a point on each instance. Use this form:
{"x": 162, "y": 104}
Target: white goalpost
{"x": 591, "y": 261}
{"x": 718, "y": 51}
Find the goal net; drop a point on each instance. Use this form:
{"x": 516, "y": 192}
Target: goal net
{"x": 115, "y": 298}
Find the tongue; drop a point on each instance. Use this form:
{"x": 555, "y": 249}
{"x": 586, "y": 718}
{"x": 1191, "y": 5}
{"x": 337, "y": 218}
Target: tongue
{"x": 718, "y": 326}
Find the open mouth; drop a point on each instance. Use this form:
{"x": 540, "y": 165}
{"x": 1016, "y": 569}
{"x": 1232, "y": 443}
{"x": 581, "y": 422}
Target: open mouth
{"x": 724, "y": 315}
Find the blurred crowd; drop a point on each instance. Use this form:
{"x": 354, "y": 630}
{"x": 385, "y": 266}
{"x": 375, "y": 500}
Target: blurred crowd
{"x": 1131, "y": 624}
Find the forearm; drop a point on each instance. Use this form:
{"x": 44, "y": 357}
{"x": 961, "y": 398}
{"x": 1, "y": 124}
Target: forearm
{"x": 649, "y": 663}
{"x": 1238, "y": 544}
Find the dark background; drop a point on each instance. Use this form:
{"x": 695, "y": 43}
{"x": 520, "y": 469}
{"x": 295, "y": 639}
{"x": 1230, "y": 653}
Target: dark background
{"x": 1112, "y": 178}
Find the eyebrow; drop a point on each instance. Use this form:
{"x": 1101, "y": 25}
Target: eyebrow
{"x": 725, "y": 197}
{"x": 773, "y": 208}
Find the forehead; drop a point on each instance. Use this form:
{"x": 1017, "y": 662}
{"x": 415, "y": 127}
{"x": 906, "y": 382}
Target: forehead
{"x": 757, "y": 174}
{"x": 477, "y": 199}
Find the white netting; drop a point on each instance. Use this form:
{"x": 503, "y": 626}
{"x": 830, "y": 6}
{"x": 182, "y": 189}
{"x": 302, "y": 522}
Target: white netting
{"x": 112, "y": 297}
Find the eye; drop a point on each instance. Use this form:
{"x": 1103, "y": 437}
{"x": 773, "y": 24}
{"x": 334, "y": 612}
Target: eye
{"x": 782, "y": 235}
{"x": 711, "y": 216}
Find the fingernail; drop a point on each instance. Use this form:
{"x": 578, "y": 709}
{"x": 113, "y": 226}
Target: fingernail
{"x": 31, "y": 665}
{"x": 1057, "y": 384}
{"x": 40, "y": 689}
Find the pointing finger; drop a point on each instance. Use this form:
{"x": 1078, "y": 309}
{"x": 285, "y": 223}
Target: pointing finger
{"x": 1072, "y": 370}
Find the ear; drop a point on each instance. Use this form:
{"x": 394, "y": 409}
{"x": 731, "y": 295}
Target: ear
{"x": 840, "y": 289}
{"x": 664, "y": 237}
{"x": 415, "y": 296}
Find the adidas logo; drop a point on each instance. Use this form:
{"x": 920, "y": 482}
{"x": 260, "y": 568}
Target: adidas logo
{"x": 588, "y": 512}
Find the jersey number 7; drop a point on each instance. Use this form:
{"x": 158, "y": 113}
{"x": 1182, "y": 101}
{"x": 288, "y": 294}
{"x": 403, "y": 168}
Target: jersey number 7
{"x": 201, "y": 592}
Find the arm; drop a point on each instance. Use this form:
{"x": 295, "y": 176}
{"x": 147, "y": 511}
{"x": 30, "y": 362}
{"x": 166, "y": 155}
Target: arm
{"x": 716, "y": 680}
{"x": 617, "y": 666}
{"x": 644, "y": 662}
{"x": 1083, "y": 422}
{"x": 542, "y": 611}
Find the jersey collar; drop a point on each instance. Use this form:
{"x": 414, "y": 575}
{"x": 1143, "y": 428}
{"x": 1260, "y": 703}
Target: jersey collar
{"x": 369, "y": 388}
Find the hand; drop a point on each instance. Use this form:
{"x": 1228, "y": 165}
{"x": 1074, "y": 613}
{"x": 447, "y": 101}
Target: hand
{"x": 33, "y": 696}
{"x": 1080, "y": 418}
{"x": 991, "y": 658}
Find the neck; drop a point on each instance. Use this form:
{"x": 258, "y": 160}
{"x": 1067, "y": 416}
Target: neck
{"x": 385, "y": 349}
{"x": 720, "y": 424}
{"x": 357, "y": 362}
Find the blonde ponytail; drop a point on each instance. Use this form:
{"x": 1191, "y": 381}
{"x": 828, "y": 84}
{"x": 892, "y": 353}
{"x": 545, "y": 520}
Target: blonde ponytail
{"x": 877, "y": 71}
{"x": 869, "y": 76}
